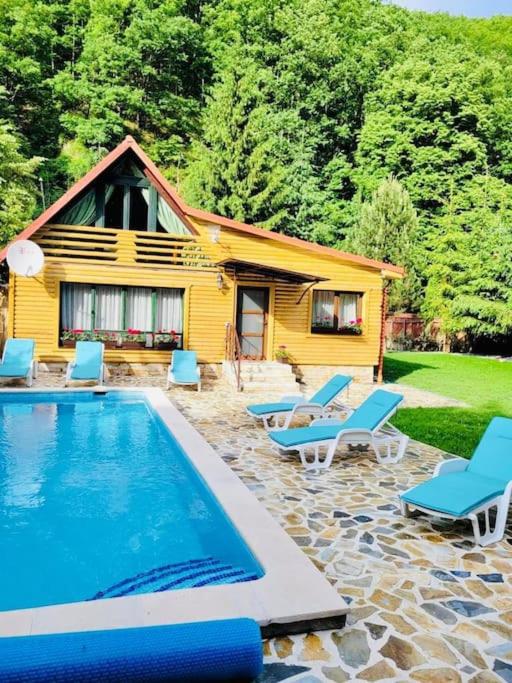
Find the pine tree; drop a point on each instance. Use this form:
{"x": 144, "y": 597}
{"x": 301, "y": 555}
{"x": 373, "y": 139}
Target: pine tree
{"x": 387, "y": 231}
{"x": 470, "y": 273}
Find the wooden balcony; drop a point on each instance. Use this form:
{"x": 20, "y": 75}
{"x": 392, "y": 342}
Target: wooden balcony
{"x": 143, "y": 249}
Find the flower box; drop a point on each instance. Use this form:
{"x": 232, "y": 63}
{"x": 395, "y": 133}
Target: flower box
{"x": 71, "y": 344}
{"x": 130, "y": 344}
{"x": 352, "y": 331}
{"x": 166, "y": 346}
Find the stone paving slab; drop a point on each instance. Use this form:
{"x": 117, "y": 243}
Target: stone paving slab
{"x": 427, "y": 604}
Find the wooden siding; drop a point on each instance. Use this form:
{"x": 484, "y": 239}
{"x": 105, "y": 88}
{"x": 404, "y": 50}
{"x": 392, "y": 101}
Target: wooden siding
{"x": 291, "y": 318}
{"x": 34, "y": 306}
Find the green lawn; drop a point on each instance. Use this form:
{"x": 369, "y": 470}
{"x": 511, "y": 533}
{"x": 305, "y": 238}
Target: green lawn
{"x": 484, "y": 384}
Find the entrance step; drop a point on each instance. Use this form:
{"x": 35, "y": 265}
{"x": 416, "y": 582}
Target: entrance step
{"x": 277, "y": 378}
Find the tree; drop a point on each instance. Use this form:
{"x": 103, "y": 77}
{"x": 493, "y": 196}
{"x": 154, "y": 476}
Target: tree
{"x": 387, "y": 231}
{"x": 470, "y": 273}
{"x": 280, "y": 128}
{"x": 31, "y": 52}
{"x": 141, "y": 71}
{"x": 17, "y": 185}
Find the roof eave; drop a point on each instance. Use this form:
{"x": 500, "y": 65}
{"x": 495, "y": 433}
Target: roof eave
{"x": 395, "y": 272}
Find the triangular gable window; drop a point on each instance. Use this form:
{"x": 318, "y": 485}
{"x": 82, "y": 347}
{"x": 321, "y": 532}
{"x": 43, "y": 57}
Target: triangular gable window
{"x": 124, "y": 199}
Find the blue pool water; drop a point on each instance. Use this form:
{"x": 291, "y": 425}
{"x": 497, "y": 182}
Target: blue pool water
{"x": 97, "y": 499}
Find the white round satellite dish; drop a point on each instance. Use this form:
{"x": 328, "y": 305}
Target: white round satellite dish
{"x": 25, "y": 257}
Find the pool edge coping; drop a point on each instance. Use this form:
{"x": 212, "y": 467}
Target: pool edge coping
{"x": 291, "y": 591}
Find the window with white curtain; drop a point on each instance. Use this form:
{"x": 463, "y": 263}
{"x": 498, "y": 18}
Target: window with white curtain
{"x": 118, "y": 309}
{"x": 334, "y": 311}
{"x": 76, "y": 307}
{"x": 109, "y": 308}
{"x": 169, "y": 310}
{"x": 139, "y": 308}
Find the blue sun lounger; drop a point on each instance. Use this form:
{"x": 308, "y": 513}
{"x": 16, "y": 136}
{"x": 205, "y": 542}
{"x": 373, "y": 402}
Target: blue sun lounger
{"x": 184, "y": 369}
{"x": 465, "y": 489}
{"x": 368, "y": 424}
{"x": 279, "y": 415}
{"x": 88, "y": 364}
{"x": 18, "y": 360}
{"x": 224, "y": 650}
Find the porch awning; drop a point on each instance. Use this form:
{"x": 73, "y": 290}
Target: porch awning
{"x": 250, "y": 267}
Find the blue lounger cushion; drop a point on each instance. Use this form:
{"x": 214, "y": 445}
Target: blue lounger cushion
{"x": 88, "y": 360}
{"x": 17, "y": 357}
{"x": 288, "y": 438}
{"x": 227, "y": 650}
{"x": 493, "y": 455}
{"x": 331, "y": 389}
{"x": 270, "y": 408}
{"x": 13, "y": 370}
{"x": 367, "y": 416}
{"x": 184, "y": 367}
{"x": 454, "y": 494}
{"x": 326, "y": 394}
{"x": 460, "y": 492}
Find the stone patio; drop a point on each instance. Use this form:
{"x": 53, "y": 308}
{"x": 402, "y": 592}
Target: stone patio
{"x": 427, "y": 605}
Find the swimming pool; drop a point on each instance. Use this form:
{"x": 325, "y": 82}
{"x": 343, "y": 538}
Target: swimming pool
{"x": 288, "y": 594}
{"x": 99, "y": 500}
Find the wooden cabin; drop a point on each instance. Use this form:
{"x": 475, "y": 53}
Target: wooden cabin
{"x": 128, "y": 262}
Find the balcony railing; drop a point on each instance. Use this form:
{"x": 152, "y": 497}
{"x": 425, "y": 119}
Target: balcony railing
{"x": 123, "y": 247}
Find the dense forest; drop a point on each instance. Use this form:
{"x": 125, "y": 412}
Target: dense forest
{"x": 352, "y": 123}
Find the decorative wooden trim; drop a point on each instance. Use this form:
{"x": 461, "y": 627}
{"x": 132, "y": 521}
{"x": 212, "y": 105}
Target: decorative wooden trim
{"x": 100, "y": 205}
{"x": 186, "y": 213}
{"x": 132, "y": 181}
{"x": 152, "y": 209}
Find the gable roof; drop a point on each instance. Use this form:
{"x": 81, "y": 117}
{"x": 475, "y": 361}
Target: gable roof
{"x": 186, "y": 212}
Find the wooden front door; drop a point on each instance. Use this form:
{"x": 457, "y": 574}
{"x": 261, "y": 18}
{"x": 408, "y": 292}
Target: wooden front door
{"x": 251, "y": 321}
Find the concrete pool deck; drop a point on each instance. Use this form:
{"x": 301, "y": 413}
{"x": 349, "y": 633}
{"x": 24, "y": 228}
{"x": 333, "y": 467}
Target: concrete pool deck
{"x": 426, "y": 603}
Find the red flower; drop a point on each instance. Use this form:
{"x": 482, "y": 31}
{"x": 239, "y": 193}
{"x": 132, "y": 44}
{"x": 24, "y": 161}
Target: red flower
{"x": 359, "y": 320}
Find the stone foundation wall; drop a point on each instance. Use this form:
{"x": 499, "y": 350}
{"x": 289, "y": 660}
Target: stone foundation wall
{"x": 311, "y": 375}
{"x": 315, "y": 375}
{"x": 208, "y": 370}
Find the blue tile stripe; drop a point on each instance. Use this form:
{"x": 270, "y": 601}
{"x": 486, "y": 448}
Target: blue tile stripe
{"x": 190, "y": 574}
{"x": 153, "y": 575}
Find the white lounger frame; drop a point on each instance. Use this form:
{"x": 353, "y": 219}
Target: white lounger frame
{"x": 388, "y": 443}
{"x": 489, "y": 534}
{"x": 71, "y": 365}
{"x": 171, "y": 380}
{"x": 29, "y": 377}
{"x": 282, "y": 419}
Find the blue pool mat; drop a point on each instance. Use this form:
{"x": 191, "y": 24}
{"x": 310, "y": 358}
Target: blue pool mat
{"x": 226, "y": 650}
